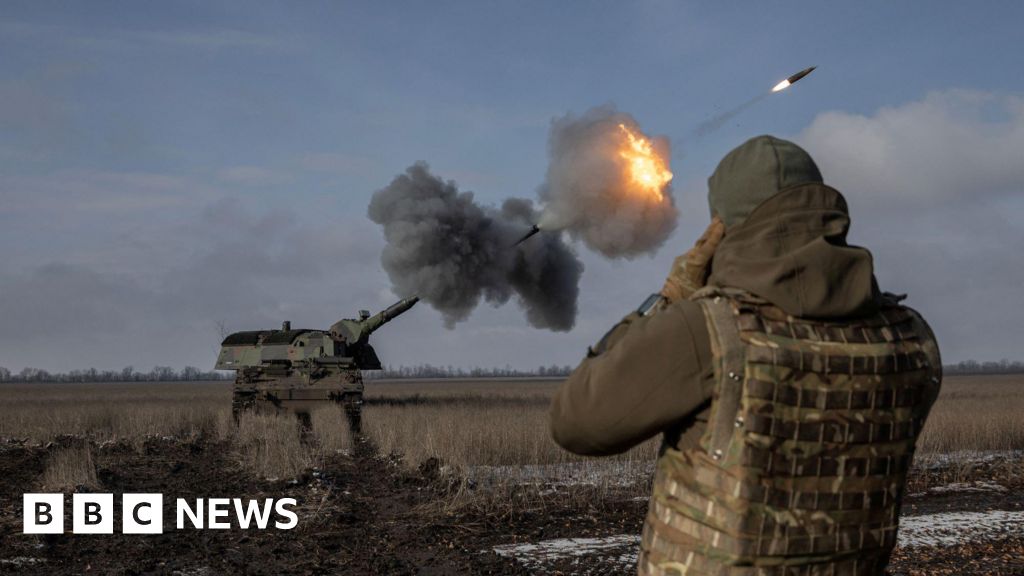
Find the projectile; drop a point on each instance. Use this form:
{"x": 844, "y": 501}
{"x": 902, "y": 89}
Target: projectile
{"x": 533, "y": 230}
{"x": 793, "y": 79}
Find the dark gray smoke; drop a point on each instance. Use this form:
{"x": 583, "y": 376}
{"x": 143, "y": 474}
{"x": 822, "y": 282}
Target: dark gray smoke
{"x": 590, "y": 190}
{"x": 452, "y": 252}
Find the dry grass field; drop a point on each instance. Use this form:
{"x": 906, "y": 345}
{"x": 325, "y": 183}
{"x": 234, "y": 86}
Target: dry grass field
{"x": 463, "y": 469}
{"x": 976, "y": 413}
{"x": 114, "y": 412}
{"x": 501, "y": 427}
{"x": 472, "y": 425}
{"x": 501, "y": 448}
{"x": 269, "y": 446}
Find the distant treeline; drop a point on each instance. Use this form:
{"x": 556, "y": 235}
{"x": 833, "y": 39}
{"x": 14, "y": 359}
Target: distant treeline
{"x": 126, "y": 374}
{"x": 966, "y": 367}
{"x": 191, "y": 373}
{"x": 431, "y": 371}
{"x": 974, "y": 367}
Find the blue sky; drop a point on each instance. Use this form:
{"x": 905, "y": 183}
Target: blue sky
{"x": 166, "y": 167}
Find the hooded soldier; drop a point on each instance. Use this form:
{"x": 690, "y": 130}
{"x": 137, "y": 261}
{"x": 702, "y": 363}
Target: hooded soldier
{"x": 789, "y": 390}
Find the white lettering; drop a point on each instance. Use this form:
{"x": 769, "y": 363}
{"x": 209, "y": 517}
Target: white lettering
{"x": 282, "y": 511}
{"x": 252, "y": 510}
{"x": 195, "y": 516}
{"x": 218, "y": 508}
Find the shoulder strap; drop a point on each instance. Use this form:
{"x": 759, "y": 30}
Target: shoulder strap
{"x": 930, "y": 346}
{"x": 730, "y": 368}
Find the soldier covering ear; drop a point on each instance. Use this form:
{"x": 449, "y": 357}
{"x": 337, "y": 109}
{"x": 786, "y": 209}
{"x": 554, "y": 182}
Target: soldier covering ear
{"x": 790, "y": 392}
{"x": 690, "y": 270}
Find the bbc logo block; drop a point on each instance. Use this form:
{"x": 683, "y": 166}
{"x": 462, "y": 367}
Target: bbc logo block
{"x": 144, "y": 514}
{"x": 93, "y": 513}
{"x": 43, "y": 513}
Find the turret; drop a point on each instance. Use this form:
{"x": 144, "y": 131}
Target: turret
{"x": 358, "y": 331}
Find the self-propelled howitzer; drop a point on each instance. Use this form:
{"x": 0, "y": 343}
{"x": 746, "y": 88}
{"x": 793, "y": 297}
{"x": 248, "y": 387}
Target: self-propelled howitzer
{"x": 299, "y": 370}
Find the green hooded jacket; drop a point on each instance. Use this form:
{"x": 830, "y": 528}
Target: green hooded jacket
{"x": 785, "y": 241}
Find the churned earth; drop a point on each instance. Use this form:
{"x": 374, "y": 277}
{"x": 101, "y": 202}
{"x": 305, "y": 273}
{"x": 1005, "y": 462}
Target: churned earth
{"x": 362, "y": 514}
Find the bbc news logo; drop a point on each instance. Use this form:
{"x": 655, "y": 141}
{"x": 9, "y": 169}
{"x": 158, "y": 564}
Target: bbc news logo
{"x": 144, "y": 513}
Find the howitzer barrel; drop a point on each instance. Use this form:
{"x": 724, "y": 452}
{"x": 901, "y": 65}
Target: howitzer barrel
{"x": 397, "y": 308}
{"x": 359, "y": 330}
{"x": 386, "y": 315}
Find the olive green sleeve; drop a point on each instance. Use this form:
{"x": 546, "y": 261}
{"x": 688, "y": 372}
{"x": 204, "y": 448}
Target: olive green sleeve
{"x": 647, "y": 373}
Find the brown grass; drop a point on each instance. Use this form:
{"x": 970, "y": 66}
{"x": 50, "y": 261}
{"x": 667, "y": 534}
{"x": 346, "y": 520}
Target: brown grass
{"x": 976, "y": 413}
{"x": 974, "y": 432}
{"x": 482, "y": 429}
{"x": 536, "y": 388}
{"x": 69, "y": 468}
{"x": 467, "y": 433}
{"x": 331, "y": 428}
{"x": 499, "y": 455}
{"x": 270, "y": 445}
{"x": 114, "y": 411}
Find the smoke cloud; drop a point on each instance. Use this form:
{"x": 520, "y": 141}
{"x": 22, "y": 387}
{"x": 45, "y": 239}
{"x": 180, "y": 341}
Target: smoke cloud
{"x": 452, "y": 252}
{"x": 593, "y": 190}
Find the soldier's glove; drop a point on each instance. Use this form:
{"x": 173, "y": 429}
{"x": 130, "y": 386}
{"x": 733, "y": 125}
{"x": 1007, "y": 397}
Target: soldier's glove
{"x": 690, "y": 271}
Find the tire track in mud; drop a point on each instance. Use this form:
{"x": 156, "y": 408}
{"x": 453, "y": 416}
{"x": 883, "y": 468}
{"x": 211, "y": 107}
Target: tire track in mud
{"x": 396, "y": 526}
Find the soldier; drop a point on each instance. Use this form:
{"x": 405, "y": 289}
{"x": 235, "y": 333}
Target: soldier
{"x": 790, "y": 391}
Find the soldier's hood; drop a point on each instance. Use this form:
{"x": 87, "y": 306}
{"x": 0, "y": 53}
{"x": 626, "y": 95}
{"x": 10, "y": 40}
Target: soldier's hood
{"x": 754, "y": 172}
{"x": 791, "y": 250}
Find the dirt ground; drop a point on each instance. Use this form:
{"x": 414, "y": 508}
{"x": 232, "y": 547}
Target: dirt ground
{"x": 358, "y": 515}
{"x": 362, "y": 514}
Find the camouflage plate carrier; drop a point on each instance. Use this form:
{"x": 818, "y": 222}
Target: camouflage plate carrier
{"x": 810, "y": 435}
{"x": 299, "y": 370}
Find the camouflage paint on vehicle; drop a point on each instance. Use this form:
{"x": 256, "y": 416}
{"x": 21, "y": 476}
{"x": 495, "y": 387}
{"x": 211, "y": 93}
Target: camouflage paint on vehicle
{"x": 299, "y": 370}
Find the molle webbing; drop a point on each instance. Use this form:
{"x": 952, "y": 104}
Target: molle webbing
{"x": 672, "y": 563}
{"x": 810, "y": 436}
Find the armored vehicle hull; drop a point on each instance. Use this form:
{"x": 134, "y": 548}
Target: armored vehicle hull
{"x": 283, "y": 388}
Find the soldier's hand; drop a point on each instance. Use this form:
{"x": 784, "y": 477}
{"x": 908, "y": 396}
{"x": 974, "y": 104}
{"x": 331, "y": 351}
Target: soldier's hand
{"x": 690, "y": 271}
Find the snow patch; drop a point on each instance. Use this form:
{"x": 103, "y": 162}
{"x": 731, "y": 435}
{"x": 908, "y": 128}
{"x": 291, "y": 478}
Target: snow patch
{"x": 621, "y": 549}
{"x": 21, "y": 561}
{"x": 950, "y": 528}
{"x": 943, "y": 529}
{"x": 976, "y": 487}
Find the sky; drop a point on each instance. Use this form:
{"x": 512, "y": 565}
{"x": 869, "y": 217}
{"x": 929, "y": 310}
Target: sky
{"x": 169, "y": 171}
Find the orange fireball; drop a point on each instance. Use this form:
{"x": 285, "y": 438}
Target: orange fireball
{"x": 647, "y": 169}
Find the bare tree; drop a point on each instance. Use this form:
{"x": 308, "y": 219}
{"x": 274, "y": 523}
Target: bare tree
{"x": 222, "y": 329}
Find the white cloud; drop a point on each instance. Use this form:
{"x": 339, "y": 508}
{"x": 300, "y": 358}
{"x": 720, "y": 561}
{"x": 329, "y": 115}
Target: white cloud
{"x": 936, "y": 149}
{"x": 935, "y": 189}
